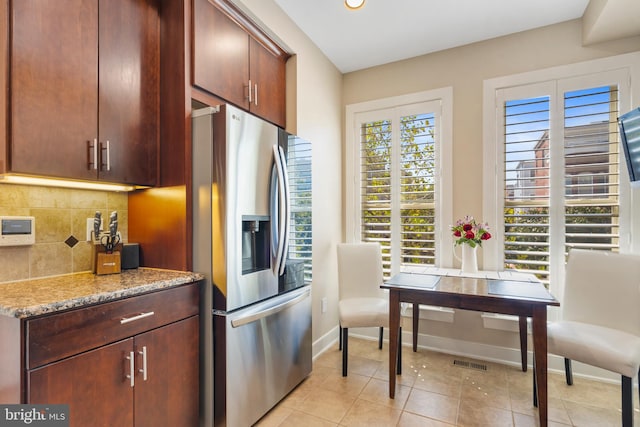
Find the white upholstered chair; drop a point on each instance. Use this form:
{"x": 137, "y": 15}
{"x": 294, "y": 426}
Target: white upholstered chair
{"x": 362, "y": 303}
{"x": 600, "y": 323}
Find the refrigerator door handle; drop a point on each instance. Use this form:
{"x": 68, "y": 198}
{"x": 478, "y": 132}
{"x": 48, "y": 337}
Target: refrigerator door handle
{"x": 287, "y": 211}
{"x": 282, "y": 214}
{"x": 252, "y": 317}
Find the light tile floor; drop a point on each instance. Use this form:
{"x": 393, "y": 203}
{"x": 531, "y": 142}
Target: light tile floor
{"x": 433, "y": 392}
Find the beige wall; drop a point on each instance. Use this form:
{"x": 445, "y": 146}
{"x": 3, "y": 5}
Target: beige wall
{"x": 314, "y": 104}
{"x": 59, "y": 213}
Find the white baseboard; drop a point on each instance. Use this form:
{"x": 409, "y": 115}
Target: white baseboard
{"x": 324, "y": 342}
{"x": 474, "y": 350}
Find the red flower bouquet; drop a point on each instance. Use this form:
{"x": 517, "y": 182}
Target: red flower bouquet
{"x": 468, "y": 231}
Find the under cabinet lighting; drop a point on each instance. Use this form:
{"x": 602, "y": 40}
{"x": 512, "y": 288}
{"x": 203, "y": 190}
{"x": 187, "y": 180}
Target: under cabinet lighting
{"x": 353, "y": 4}
{"x": 52, "y": 182}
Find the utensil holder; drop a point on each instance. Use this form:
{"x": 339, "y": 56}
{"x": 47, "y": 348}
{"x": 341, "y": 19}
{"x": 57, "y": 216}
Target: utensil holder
{"x": 106, "y": 263}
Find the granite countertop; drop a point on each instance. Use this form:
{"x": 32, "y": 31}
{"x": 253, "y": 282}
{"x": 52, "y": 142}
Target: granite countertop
{"x": 28, "y": 298}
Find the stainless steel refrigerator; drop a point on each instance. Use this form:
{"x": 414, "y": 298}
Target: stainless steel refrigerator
{"x": 256, "y": 315}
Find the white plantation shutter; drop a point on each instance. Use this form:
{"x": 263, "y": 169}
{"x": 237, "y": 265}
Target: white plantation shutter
{"x": 591, "y": 167}
{"x": 560, "y": 174}
{"x": 417, "y": 189}
{"x": 526, "y": 185}
{"x": 375, "y": 155}
{"x": 300, "y": 231}
{"x": 398, "y": 181}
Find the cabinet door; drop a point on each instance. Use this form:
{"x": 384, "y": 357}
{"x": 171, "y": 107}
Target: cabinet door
{"x": 220, "y": 54}
{"x": 169, "y": 396}
{"x": 129, "y": 90}
{"x": 267, "y": 71}
{"x": 93, "y": 384}
{"x": 54, "y": 76}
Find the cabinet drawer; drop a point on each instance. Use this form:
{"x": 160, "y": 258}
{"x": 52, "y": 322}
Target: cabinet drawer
{"x": 61, "y": 335}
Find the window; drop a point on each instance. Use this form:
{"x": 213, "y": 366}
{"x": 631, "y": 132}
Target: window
{"x": 588, "y": 159}
{"x": 558, "y": 180}
{"x": 300, "y": 232}
{"x": 396, "y": 163}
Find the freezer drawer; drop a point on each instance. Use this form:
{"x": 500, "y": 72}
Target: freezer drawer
{"x": 260, "y": 354}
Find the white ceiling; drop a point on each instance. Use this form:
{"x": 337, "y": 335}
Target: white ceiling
{"x": 390, "y": 30}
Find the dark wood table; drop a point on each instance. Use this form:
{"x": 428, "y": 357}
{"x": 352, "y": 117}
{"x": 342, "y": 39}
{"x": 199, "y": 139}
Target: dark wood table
{"x": 523, "y": 299}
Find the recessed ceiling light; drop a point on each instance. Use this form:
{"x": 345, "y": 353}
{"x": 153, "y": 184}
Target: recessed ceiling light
{"x": 354, "y": 4}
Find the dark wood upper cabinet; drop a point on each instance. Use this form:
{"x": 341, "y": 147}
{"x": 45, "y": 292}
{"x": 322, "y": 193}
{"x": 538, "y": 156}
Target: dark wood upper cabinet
{"x": 129, "y": 90}
{"x": 221, "y": 54}
{"x": 54, "y": 80}
{"x": 232, "y": 59}
{"x": 267, "y": 75}
{"x": 84, "y": 89}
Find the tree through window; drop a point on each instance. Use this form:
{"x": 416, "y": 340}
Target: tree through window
{"x": 398, "y": 180}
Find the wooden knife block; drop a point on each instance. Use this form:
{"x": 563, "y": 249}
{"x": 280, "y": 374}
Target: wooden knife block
{"x": 103, "y": 262}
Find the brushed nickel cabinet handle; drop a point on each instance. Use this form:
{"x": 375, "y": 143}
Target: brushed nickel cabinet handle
{"x": 92, "y": 160}
{"x": 137, "y": 317}
{"x": 255, "y": 94}
{"x": 250, "y": 100}
{"x": 132, "y": 368}
{"x": 144, "y": 363}
{"x": 108, "y": 155}
{"x": 107, "y": 149}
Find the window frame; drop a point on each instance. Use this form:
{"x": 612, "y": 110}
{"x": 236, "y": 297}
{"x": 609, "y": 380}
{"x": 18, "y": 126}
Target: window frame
{"x": 355, "y": 114}
{"x": 621, "y": 69}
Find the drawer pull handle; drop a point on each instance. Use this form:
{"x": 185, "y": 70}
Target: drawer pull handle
{"x": 132, "y": 368}
{"x": 144, "y": 362}
{"x": 134, "y": 318}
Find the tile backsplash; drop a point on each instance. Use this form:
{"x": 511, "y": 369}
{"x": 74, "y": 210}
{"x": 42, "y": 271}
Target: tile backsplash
{"x": 59, "y": 214}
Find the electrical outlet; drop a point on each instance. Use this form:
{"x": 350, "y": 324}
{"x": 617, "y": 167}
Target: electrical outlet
{"x": 90, "y": 236}
{"x": 323, "y": 305}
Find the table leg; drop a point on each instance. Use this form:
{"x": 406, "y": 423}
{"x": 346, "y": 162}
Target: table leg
{"x": 394, "y": 325}
{"x": 539, "y": 323}
{"x": 416, "y": 321}
{"x": 523, "y": 342}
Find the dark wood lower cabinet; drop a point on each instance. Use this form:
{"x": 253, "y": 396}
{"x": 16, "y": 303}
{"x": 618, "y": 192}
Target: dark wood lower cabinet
{"x": 168, "y": 396}
{"x": 93, "y": 384}
{"x": 97, "y": 384}
{"x": 128, "y": 362}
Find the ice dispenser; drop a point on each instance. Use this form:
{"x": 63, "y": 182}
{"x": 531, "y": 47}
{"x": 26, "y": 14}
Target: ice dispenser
{"x": 256, "y": 249}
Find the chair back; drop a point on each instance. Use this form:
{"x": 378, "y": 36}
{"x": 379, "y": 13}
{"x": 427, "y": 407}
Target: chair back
{"x": 603, "y": 288}
{"x": 360, "y": 270}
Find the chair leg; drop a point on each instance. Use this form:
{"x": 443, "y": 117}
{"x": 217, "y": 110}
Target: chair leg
{"x": 380, "y": 338}
{"x": 340, "y": 343}
{"x": 416, "y": 321}
{"x": 627, "y": 402}
{"x": 568, "y": 373}
{"x": 345, "y": 347}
